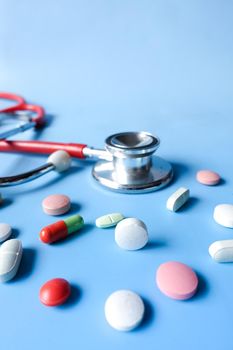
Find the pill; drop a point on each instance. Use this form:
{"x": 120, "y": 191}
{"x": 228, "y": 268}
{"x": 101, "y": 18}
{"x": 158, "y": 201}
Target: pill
{"x": 5, "y": 231}
{"x": 223, "y": 215}
{"x": 176, "y": 280}
{"x": 56, "y": 204}
{"x": 178, "y": 199}
{"x": 55, "y": 292}
{"x": 131, "y": 234}
{"x": 222, "y": 251}
{"x": 61, "y": 229}
{"x": 109, "y": 220}
{"x": 124, "y": 310}
{"x": 10, "y": 257}
{"x": 208, "y": 177}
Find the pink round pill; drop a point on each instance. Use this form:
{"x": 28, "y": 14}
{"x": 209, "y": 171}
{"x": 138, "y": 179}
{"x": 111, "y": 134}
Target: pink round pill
{"x": 56, "y": 204}
{"x": 176, "y": 280}
{"x": 208, "y": 177}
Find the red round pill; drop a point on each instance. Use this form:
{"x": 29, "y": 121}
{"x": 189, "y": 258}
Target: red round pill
{"x": 55, "y": 292}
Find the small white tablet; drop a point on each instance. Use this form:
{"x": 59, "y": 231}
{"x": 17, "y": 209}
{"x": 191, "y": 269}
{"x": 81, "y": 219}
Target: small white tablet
{"x": 222, "y": 251}
{"x": 124, "y": 310}
{"x": 223, "y": 215}
{"x": 178, "y": 199}
{"x": 131, "y": 234}
{"x": 5, "y": 231}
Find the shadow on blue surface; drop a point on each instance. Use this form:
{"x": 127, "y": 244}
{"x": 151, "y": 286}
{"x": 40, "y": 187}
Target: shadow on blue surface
{"x": 154, "y": 244}
{"x": 75, "y": 207}
{"x": 27, "y": 264}
{"x": 180, "y": 170}
{"x": 75, "y": 296}
{"x": 203, "y": 289}
{"x": 6, "y": 202}
{"x": 149, "y": 316}
{"x": 49, "y": 118}
{"x": 222, "y": 182}
{"x": 15, "y": 233}
{"x": 189, "y": 205}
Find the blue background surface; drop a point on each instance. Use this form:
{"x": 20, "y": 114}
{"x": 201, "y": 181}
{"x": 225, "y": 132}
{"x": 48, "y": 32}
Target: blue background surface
{"x": 100, "y": 67}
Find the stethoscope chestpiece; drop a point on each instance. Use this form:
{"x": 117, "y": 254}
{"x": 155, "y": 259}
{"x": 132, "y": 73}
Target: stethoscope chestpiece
{"x": 132, "y": 144}
{"x": 132, "y": 168}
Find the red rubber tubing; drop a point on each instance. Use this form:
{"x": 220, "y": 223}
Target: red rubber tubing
{"x": 40, "y": 147}
{"x": 21, "y": 105}
{"x": 8, "y": 96}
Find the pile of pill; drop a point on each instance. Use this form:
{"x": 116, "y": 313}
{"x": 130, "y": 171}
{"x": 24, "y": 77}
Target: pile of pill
{"x": 124, "y": 309}
{"x": 130, "y": 233}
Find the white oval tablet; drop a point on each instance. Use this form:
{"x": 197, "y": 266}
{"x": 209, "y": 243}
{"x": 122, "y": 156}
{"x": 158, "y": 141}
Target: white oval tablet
{"x": 10, "y": 257}
{"x": 222, "y": 251}
{"x": 131, "y": 234}
{"x": 5, "y": 231}
{"x": 223, "y": 215}
{"x": 178, "y": 199}
{"x": 124, "y": 310}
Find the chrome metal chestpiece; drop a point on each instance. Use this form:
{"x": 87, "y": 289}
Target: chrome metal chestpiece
{"x": 130, "y": 166}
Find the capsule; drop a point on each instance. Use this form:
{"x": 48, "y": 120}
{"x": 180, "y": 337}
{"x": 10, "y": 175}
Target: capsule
{"x": 61, "y": 229}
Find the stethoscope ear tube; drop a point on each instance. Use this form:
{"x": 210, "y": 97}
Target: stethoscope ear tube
{"x": 12, "y": 97}
{"x": 39, "y": 111}
{"x": 74, "y": 150}
{"x": 59, "y": 161}
{"x": 35, "y": 119}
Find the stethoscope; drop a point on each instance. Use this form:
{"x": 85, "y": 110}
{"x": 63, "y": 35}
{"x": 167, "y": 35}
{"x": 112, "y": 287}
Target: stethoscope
{"x": 126, "y": 164}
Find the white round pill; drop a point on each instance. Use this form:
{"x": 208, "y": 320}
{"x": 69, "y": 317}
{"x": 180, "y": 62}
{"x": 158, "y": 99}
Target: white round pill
{"x": 5, "y": 231}
{"x": 124, "y": 310}
{"x": 131, "y": 234}
{"x": 223, "y": 215}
